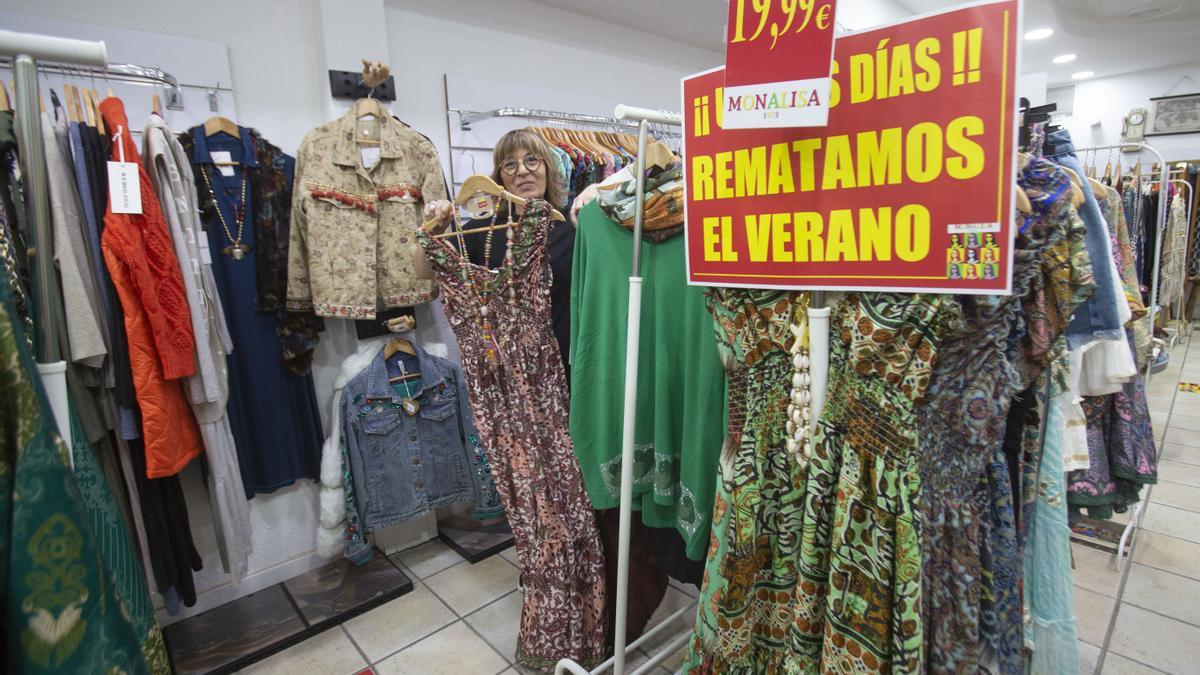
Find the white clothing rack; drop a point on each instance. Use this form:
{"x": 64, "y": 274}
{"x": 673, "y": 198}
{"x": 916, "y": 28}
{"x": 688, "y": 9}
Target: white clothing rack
{"x": 642, "y": 117}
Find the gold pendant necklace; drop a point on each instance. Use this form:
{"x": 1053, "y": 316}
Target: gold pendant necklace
{"x": 236, "y": 249}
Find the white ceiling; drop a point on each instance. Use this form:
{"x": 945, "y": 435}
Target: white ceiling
{"x": 1110, "y": 37}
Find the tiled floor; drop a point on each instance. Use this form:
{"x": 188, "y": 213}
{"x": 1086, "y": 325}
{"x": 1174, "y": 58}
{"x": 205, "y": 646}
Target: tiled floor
{"x": 459, "y": 618}
{"x": 1148, "y": 619}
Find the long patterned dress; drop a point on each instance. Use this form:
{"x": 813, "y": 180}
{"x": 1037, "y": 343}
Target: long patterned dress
{"x": 859, "y": 604}
{"x": 518, "y": 392}
{"x": 67, "y": 607}
{"x": 749, "y": 586}
{"x": 972, "y": 565}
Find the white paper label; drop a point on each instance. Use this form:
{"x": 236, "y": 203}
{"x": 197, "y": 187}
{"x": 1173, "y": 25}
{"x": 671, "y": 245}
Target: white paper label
{"x": 219, "y": 156}
{"x": 205, "y": 254}
{"x": 124, "y": 191}
{"x": 370, "y": 156}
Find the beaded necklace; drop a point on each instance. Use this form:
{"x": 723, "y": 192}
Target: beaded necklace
{"x": 483, "y": 284}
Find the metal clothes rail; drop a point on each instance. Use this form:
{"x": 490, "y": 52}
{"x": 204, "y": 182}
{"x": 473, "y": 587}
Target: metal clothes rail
{"x": 642, "y": 117}
{"x": 27, "y": 54}
{"x": 617, "y": 124}
{"x": 118, "y": 72}
{"x": 468, "y": 117}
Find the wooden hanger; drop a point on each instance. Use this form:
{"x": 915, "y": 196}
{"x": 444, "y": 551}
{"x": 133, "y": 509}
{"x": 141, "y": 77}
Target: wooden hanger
{"x": 398, "y": 344}
{"x": 659, "y": 155}
{"x": 480, "y": 183}
{"x": 215, "y": 125}
{"x": 89, "y": 107}
{"x": 156, "y": 105}
{"x": 1023, "y": 203}
{"x": 73, "y": 111}
{"x": 100, "y": 125}
{"x": 4, "y": 104}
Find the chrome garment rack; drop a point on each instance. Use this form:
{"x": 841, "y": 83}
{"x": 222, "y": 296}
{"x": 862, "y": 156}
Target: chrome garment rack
{"x": 641, "y": 118}
{"x": 27, "y": 54}
{"x": 118, "y": 72}
{"x": 466, "y": 118}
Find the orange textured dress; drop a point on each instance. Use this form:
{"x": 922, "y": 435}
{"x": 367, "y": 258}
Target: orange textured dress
{"x": 145, "y": 271}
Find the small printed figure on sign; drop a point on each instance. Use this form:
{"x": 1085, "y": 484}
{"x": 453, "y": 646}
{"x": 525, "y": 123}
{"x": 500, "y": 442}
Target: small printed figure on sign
{"x": 971, "y": 272}
{"x": 989, "y": 270}
{"x": 972, "y": 240}
{"x": 955, "y": 271}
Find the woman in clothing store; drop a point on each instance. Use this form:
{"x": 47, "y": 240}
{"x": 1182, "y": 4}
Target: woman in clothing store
{"x": 525, "y": 165}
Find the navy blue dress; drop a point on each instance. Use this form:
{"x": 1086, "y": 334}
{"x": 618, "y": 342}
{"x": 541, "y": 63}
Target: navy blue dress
{"x": 273, "y": 412}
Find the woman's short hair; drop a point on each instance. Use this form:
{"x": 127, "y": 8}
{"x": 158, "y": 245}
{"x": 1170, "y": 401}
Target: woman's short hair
{"x": 530, "y": 141}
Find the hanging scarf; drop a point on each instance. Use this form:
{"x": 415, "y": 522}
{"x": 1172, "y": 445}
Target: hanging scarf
{"x": 663, "y": 208}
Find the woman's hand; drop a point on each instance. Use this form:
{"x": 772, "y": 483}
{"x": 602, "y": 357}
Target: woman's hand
{"x": 586, "y": 197}
{"x": 441, "y": 211}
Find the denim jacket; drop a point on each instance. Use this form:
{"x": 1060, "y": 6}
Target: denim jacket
{"x": 404, "y": 465}
{"x": 1097, "y": 318}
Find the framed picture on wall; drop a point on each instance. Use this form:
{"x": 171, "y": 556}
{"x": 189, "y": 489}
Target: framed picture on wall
{"x": 1175, "y": 115}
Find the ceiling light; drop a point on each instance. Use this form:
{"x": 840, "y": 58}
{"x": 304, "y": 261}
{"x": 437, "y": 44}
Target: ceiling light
{"x": 1039, "y": 34}
{"x": 1063, "y": 58}
{"x": 1083, "y": 75}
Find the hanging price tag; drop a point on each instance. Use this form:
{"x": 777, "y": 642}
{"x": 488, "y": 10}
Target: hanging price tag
{"x": 778, "y": 58}
{"x": 124, "y": 191}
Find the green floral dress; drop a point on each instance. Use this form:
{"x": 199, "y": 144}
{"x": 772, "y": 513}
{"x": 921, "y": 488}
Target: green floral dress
{"x": 858, "y": 608}
{"x": 747, "y": 595}
{"x": 63, "y": 608}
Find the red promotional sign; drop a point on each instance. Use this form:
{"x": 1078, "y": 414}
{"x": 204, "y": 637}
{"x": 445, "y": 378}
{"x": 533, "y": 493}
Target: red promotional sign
{"x": 909, "y": 187}
{"x": 777, "y": 63}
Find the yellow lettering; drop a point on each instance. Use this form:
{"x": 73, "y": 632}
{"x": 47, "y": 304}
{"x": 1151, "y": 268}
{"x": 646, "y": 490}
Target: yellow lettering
{"x": 835, "y": 89}
{"x": 931, "y": 71}
{"x": 710, "y": 238}
{"x": 781, "y": 171}
{"x": 841, "y": 245}
{"x": 702, "y": 177}
{"x": 780, "y": 237}
{"x": 758, "y": 236}
{"x": 750, "y": 167}
{"x": 875, "y": 234}
{"x": 862, "y": 78}
{"x": 839, "y": 164}
{"x": 922, "y": 153}
{"x": 806, "y": 161}
{"x": 724, "y": 175}
{"x": 900, "y": 81}
{"x": 880, "y": 157}
{"x": 970, "y": 160}
{"x": 808, "y": 228}
{"x": 912, "y": 232}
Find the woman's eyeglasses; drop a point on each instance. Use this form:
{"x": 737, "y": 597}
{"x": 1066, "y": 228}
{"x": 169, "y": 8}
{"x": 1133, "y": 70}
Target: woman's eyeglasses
{"x": 531, "y": 163}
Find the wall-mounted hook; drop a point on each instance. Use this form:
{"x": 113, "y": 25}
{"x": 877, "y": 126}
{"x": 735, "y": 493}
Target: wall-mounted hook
{"x": 214, "y": 100}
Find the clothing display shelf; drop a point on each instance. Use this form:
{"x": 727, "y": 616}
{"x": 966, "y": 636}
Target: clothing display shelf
{"x": 642, "y": 118}
{"x": 1163, "y": 179}
{"x": 27, "y": 54}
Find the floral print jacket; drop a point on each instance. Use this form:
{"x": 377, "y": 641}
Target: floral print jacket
{"x": 353, "y": 243}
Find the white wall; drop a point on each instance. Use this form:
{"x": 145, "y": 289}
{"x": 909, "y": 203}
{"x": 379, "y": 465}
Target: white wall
{"x": 1107, "y": 101}
{"x": 523, "y": 42}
